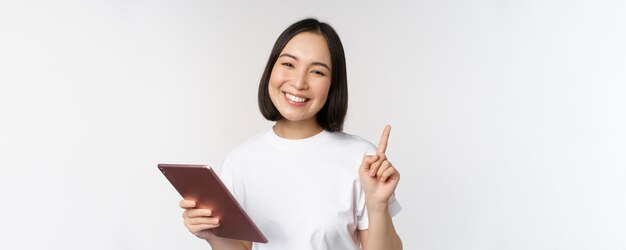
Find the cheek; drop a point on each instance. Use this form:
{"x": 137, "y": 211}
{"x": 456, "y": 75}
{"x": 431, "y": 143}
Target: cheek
{"x": 277, "y": 77}
{"x": 323, "y": 89}
{"x": 276, "y": 80}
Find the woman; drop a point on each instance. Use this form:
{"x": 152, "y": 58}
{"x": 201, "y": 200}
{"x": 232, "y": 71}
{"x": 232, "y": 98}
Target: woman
{"x": 306, "y": 184}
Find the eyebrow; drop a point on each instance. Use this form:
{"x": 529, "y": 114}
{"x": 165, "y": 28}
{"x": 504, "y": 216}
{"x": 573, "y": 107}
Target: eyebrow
{"x": 314, "y": 63}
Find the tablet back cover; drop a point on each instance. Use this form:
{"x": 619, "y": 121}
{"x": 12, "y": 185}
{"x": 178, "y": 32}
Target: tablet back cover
{"x": 201, "y": 183}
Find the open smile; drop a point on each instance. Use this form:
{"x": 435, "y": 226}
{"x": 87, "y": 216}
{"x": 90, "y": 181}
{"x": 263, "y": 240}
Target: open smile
{"x": 295, "y": 98}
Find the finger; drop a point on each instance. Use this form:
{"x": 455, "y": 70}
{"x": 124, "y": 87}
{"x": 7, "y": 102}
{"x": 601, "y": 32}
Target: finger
{"x": 382, "y": 145}
{"x": 202, "y": 220}
{"x": 200, "y": 212}
{"x": 187, "y": 204}
{"x": 199, "y": 228}
{"x": 191, "y": 213}
{"x": 390, "y": 173}
{"x": 374, "y": 167}
{"x": 383, "y": 166}
{"x": 367, "y": 161}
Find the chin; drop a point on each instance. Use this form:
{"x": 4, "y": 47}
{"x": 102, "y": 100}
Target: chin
{"x": 293, "y": 118}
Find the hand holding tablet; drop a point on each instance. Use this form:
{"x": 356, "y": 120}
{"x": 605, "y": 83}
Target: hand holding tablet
{"x": 199, "y": 220}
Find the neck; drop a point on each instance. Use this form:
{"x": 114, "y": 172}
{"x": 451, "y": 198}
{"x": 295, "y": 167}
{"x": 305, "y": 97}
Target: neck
{"x": 297, "y": 130}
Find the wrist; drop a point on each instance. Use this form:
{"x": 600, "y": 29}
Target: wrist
{"x": 377, "y": 206}
{"x": 211, "y": 238}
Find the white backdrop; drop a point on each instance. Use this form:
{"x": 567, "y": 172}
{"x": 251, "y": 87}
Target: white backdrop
{"x": 508, "y": 116}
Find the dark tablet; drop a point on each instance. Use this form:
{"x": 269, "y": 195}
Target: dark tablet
{"x": 200, "y": 183}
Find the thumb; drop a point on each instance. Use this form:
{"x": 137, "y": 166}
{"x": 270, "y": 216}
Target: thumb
{"x": 367, "y": 161}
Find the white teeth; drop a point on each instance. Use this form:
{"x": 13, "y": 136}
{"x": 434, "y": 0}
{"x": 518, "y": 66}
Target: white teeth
{"x": 294, "y": 98}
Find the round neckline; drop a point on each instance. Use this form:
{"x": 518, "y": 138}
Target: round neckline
{"x": 296, "y": 144}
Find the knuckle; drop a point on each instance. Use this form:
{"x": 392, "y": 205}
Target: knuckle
{"x": 374, "y": 166}
{"x": 384, "y": 166}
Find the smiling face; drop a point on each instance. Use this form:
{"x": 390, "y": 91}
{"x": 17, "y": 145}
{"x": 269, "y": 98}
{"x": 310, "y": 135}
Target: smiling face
{"x": 301, "y": 78}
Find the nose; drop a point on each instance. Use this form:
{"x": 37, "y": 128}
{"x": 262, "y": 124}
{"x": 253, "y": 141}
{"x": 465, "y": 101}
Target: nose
{"x": 299, "y": 81}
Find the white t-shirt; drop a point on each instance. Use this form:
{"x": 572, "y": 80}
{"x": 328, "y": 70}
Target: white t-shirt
{"x": 302, "y": 194}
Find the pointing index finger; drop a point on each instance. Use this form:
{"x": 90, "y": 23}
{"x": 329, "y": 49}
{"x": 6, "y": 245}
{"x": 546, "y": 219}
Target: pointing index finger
{"x": 382, "y": 145}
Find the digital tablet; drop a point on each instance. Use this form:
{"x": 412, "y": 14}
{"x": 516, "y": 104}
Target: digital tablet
{"x": 201, "y": 184}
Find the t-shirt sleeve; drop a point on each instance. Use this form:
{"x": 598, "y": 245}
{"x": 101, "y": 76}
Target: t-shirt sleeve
{"x": 362, "y": 219}
{"x": 226, "y": 175}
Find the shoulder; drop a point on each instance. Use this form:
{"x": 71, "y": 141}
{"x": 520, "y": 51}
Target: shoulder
{"x": 350, "y": 141}
{"x": 252, "y": 144}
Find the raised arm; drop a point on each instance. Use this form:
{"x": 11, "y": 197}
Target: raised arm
{"x": 379, "y": 180}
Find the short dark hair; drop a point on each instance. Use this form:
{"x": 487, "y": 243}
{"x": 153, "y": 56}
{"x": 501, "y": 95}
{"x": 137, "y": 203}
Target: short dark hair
{"x": 333, "y": 113}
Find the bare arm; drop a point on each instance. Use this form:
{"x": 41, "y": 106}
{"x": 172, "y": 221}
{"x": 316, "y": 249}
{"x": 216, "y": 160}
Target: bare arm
{"x": 379, "y": 179}
{"x": 381, "y": 233}
{"x": 218, "y": 243}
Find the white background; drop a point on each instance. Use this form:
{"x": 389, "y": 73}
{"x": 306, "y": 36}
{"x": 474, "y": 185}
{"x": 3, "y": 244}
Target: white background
{"x": 508, "y": 116}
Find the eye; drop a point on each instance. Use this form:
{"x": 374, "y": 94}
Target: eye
{"x": 317, "y": 72}
{"x": 286, "y": 64}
